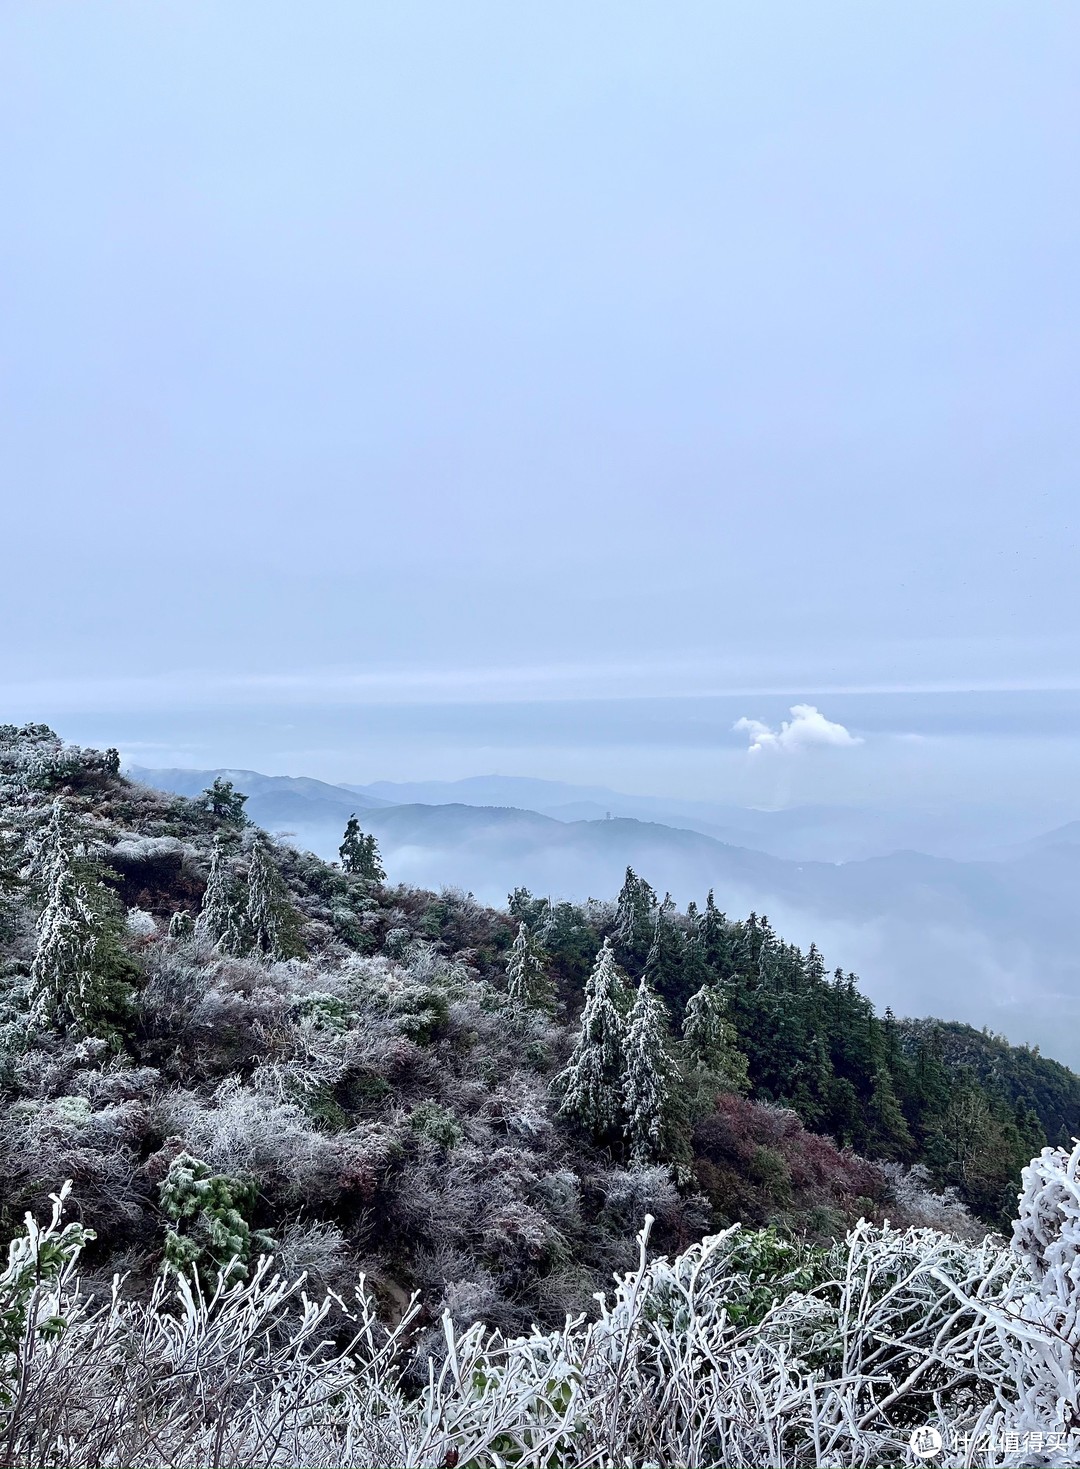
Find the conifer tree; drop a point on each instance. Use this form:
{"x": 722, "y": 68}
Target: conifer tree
{"x": 889, "y": 1132}
{"x": 351, "y": 851}
{"x": 526, "y": 979}
{"x": 271, "y": 919}
{"x": 76, "y": 977}
{"x": 664, "y": 962}
{"x": 225, "y": 802}
{"x": 373, "y": 869}
{"x": 634, "y": 918}
{"x": 592, "y": 1080}
{"x": 650, "y": 1076}
{"x": 359, "y": 853}
{"x": 221, "y": 918}
{"x": 712, "y": 1042}
{"x": 715, "y": 935}
{"x": 181, "y": 925}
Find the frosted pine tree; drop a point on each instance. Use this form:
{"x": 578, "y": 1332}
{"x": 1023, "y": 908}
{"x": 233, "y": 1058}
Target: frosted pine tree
{"x": 181, "y": 925}
{"x": 221, "y": 918}
{"x": 271, "y": 919}
{"x": 372, "y": 869}
{"x": 634, "y": 910}
{"x": 351, "y": 851}
{"x": 712, "y": 1042}
{"x": 592, "y": 1080}
{"x": 526, "y": 980}
{"x": 360, "y": 854}
{"x": 650, "y": 1076}
{"x": 74, "y": 975}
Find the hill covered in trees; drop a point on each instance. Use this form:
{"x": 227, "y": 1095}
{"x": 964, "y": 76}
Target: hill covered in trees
{"x": 480, "y": 1103}
{"x": 232, "y": 1048}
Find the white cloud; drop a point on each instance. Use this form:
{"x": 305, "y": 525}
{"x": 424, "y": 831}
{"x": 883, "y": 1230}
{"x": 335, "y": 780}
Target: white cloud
{"x": 808, "y": 728}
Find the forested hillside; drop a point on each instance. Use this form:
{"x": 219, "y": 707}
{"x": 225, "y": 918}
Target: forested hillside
{"x": 480, "y": 1103}
{"x": 232, "y": 1048}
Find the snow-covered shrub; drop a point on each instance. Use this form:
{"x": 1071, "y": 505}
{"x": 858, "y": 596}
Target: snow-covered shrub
{"x": 687, "y": 1363}
{"x": 140, "y": 924}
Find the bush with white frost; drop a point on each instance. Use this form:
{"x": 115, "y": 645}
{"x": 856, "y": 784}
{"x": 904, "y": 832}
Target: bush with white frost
{"x": 700, "y": 1360}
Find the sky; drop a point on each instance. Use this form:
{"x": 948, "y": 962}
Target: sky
{"x": 391, "y": 391}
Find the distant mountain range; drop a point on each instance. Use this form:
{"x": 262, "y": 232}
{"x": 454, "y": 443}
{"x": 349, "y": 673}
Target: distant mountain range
{"x": 992, "y": 942}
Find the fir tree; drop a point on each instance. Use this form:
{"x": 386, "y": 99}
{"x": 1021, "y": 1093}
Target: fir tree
{"x": 664, "y": 962}
{"x": 351, "y": 851}
{"x": 77, "y": 975}
{"x": 181, "y": 925}
{"x": 650, "y": 1076}
{"x": 890, "y": 1135}
{"x": 526, "y": 978}
{"x": 634, "y": 910}
{"x": 359, "y": 853}
{"x": 225, "y": 802}
{"x": 715, "y": 934}
{"x": 271, "y": 919}
{"x": 592, "y": 1080}
{"x": 373, "y": 869}
{"x": 221, "y": 918}
{"x": 712, "y": 1042}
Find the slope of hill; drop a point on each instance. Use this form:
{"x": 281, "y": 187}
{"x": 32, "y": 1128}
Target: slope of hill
{"x": 991, "y": 943}
{"x": 233, "y": 1047}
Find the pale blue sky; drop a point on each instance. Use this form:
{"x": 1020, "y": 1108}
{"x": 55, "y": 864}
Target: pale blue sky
{"x": 416, "y": 354}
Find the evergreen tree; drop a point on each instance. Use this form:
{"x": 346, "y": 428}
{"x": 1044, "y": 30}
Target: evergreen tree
{"x": 181, "y": 925}
{"x": 78, "y": 974}
{"x": 651, "y": 1076}
{"x": 272, "y": 921}
{"x": 695, "y": 969}
{"x": 664, "y": 962}
{"x": 634, "y": 910}
{"x": 526, "y": 978}
{"x": 352, "y": 845}
{"x": 712, "y": 1042}
{"x": 359, "y": 853}
{"x": 889, "y": 1134}
{"x": 225, "y": 802}
{"x": 373, "y": 869}
{"x": 592, "y": 1080}
{"x": 221, "y": 918}
{"x": 715, "y": 933}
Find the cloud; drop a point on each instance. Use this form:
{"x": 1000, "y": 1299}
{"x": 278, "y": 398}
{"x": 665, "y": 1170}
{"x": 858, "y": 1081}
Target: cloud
{"x": 806, "y": 730}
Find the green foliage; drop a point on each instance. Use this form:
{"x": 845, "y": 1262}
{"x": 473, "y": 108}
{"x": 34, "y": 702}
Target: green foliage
{"x": 772, "y": 1268}
{"x": 271, "y": 922}
{"x": 359, "y": 853}
{"x": 211, "y": 1233}
{"x": 419, "y": 1011}
{"x": 527, "y": 982}
{"x": 80, "y": 977}
{"x": 436, "y": 1124}
{"x": 591, "y": 1083}
{"x": 712, "y": 1042}
{"x": 324, "y": 1011}
{"x": 38, "y": 1260}
{"x": 224, "y": 802}
{"x": 650, "y": 1078}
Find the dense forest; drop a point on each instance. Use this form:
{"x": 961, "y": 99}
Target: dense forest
{"x": 231, "y": 1048}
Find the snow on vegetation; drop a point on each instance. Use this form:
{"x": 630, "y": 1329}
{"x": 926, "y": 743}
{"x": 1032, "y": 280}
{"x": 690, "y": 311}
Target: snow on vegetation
{"x": 352, "y": 1167}
{"x": 742, "y": 1349}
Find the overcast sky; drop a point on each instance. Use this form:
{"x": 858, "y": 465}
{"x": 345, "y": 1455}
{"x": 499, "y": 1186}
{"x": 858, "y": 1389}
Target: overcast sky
{"x": 408, "y": 356}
